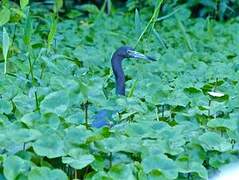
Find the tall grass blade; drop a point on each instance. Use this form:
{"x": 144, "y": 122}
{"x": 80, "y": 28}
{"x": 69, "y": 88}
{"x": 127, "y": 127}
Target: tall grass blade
{"x": 57, "y": 5}
{"x": 28, "y": 31}
{"x": 185, "y": 35}
{"x": 5, "y": 47}
{"x": 151, "y": 21}
{"x": 52, "y": 33}
{"x": 137, "y": 22}
{"x": 109, "y": 4}
{"x": 169, "y": 15}
{"x": 23, "y": 3}
{"x": 162, "y": 41}
{"x": 132, "y": 89}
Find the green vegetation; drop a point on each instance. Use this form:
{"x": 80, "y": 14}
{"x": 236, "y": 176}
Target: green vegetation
{"x": 180, "y": 119}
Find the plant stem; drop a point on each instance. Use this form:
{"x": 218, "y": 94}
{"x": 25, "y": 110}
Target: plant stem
{"x": 14, "y": 34}
{"x": 110, "y": 158}
{"x": 86, "y": 171}
{"x": 108, "y": 6}
{"x": 36, "y": 101}
{"x": 86, "y": 112}
{"x": 168, "y": 15}
{"x": 5, "y": 66}
{"x": 30, "y": 68}
{"x": 215, "y": 86}
{"x": 24, "y": 146}
{"x": 209, "y": 105}
{"x": 163, "y": 110}
{"x": 75, "y": 174}
{"x": 157, "y": 113}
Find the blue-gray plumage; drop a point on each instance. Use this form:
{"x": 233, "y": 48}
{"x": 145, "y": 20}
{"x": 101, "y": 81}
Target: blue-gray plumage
{"x": 116, "y": 62}
{"x": 102, "y": 117}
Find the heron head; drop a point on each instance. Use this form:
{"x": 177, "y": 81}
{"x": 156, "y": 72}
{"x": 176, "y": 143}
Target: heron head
{"x": 129, "y": 52}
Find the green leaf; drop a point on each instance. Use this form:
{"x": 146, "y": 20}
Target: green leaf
{"x": 4, "y": 16}
{"x": 52, "y": 32}
{"x": 159, "y": 38}
{"x": 57, "y": 5}
{"x": 24, "y": 103}
{"x": 50, "y": 146}
{"x": 39, "y": 173}
{"x": 98, "y": 164}
{"x": 116, "y": 144}
{"x": 28, "y": 30}
{"x": 14, "y": 166}
{"x": 5, "y": 3}
{"x": 30, "y": 118}
{"x": 5, "y": 46}
{"x": 187, "y": 165}
{"x": 137, "y": 22}
{"x": 185, "y": 35}
{"x": 122, "y": 171}
{"x": 75, "y": 118}
{"x": 230, "y": 124}
{"x": 99, "y": 175}
{"x": 84, "y": 89}
{"x": 157, "y": 174}
{"x": 76, "y": 136}
{"x": 24, "y": 135}
{"x": 79, "y": 162}
{"x": 23, "y": 3}
{"x": 91, "y": 8}
{"x": 217, "y": 160}
{"x": 56, "y": 102}
{"x": 162, "y": 163}
{"x": 131, "y": 92}
{"x": 161, "y": 96}
{"x": 52, "y": 120}
{"x": 5, "y": 106}
{"x": 213, "y": 141}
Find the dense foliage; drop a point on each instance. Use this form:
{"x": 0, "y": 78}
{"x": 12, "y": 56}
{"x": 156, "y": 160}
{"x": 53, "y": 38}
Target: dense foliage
{"x": 178, "y": 121}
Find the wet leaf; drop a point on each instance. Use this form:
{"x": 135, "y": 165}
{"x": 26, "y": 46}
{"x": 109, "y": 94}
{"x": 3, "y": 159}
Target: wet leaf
{"x": 39, "y": 173}
{"x": 80, "y": 162}
{"x": 56, "y": 102}
{"x": 4, "y": 16}
{"x": 51, "y": 146}
{"x": 23, "y": 3}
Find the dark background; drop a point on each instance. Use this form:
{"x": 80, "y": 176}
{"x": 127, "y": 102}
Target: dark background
{"x": 220, "y": 10}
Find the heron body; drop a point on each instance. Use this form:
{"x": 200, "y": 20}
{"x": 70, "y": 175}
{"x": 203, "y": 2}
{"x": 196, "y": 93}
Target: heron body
{"x": 102, "y": 117}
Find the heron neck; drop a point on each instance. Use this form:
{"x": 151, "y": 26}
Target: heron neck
{"x": 116, "y": 63}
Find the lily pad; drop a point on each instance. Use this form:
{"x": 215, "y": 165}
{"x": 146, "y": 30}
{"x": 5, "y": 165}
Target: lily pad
{"x": 49, "y": 145}
{"x": 56, "y": 102}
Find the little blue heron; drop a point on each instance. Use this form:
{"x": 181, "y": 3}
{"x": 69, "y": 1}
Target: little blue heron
{"x": 102, "y": 117}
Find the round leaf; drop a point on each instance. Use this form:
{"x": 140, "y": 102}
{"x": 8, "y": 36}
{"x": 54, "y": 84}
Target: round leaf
{"x": 49, "y": 145}
{"x": 213, "y": 141}
{"x": 14, "y": 166}
{"x": 162, "y": 163}
{"x": 80, "y": 162}
{"x": 5, "y": 106}
{"x": 39, "y": 173}
{"x": 56, "y": 102}
{"x": 4, "y": 16}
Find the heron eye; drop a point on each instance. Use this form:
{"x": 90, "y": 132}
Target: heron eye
{"x": 129, "y": 51}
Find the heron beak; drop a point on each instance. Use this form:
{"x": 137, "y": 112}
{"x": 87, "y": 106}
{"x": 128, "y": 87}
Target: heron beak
{"x": 135, "y": 54}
